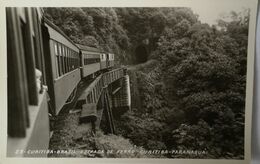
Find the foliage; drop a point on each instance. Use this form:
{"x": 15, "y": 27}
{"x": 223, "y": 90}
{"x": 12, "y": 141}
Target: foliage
{"x": 207, "y": 70}
{"x": 142, "y": 132}
{"x": 193, "y": 97}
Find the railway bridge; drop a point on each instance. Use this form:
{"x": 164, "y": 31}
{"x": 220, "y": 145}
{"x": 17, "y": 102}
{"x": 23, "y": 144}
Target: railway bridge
{"x": 110, "y": 90}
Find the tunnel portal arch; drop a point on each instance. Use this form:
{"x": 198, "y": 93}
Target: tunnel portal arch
{"x": 141, "y": 54}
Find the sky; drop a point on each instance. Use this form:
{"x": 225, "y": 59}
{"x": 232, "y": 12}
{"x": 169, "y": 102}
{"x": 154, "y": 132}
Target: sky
{"x": 210, "y": 10}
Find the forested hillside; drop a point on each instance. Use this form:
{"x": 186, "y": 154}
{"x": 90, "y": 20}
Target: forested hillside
{"x": 192, "y": 95}
{"x": 120, "y": 30}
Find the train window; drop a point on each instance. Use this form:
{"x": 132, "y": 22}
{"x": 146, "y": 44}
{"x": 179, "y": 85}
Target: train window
{"x": 56, "y": 58}
{"x": 59, "y": 61}
{"x": 29, "y": 46}
{"x": 77, "y": 61}
{"x": 68, "y": 66}
{"x": 62, "y": 58}
{"x": 67, "y": 54}
{"x": 72, "y": 59}
{"x": 69, "y": 59}
{"x": 63, "y": 61}
{"x": 69, "y": 69}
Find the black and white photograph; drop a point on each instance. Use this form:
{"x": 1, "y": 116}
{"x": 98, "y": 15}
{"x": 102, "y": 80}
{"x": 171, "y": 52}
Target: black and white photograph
{"x": 166, "y": 82}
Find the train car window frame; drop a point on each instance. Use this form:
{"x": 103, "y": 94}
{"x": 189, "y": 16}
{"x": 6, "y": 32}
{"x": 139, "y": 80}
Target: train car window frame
{"x": 71, "y": 68}
{"x": 63, "y": 59}
{"x": 72, "y": 59}
{"x": 30, "y": 53}
{"x": 65, "y": 62}
{"x": 68, "y": 59}
{"x": 56, "y": 58}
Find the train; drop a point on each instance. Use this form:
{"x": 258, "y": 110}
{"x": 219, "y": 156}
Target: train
{"x": 69, "y": 63}
{"x": 44, "y": 66}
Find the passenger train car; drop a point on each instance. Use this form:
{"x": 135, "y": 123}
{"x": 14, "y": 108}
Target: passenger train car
{"x": 90, "y": 60}
{"x": 94, "y": 60}
{"x": 44, "y": 67}
{"x": 63, "y": 64}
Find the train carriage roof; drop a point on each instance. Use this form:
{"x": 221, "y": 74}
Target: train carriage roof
{"x": 57, "y": 34}
{"x": 88, "y": 48}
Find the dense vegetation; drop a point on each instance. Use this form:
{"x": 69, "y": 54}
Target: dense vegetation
{"x": 192, "y": 95}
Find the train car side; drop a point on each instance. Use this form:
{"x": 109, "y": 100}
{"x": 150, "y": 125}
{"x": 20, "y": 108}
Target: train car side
{"x": 64, "y": 64}
{"x": 27, "y": 101}
{"x": 91, "y": 63}
{"x": 90, "y": 60}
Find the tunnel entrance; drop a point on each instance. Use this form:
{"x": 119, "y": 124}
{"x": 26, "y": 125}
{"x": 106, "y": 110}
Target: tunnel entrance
{"x": 141, "y": 54}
